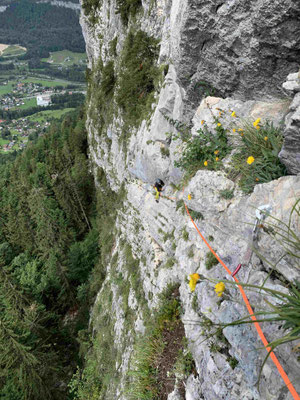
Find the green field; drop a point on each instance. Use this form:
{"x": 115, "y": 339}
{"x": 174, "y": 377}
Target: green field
{"x": 66, "y": 58}
{"x": 49, "y": 83}
{"x": 5, "y": 89}
{"x": 13, "y": 51}
{"x": 28, "y": 103}
{"x": 3, "y": 141}
{"x": 48, "y": 114}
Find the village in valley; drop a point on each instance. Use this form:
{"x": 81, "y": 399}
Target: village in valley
{"x": 18, "y": 132}
{"x": 30, "y": 99}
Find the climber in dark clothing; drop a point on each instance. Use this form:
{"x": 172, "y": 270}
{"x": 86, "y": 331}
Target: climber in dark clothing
{"x": 158, "y": 186}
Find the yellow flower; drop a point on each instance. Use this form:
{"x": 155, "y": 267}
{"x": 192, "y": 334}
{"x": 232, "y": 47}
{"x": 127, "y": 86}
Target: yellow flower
{"x": 217, "y": 158}
{"x": 240, "y": 130}
{"x": 233, "y": 114}
{"x": 220, "y": 288}
{"x": 234, "y": 130}
{"x": 216, "y": 151}
{"x": 205, "y": 163}
{"x": 189, "y": 197}
{"x": 256, "y": 122}
{"x": 250, "y": 160}
{"x": 202, "y": 122}
{"x": 242, "y": 134}
{"x": 218, "y": 124}
{"x": 194, "y": 278}
{"x": 266, "y": 138}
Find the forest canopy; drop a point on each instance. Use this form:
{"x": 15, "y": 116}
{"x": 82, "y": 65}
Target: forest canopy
{"x": 48, "y": 248}
{"x": 41, "y": 28}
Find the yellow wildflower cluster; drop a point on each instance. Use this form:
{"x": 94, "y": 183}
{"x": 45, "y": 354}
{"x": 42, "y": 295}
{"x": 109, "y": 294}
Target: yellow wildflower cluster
{"x": 189, "y": 197}
{"x": 250, "y": 160}
{"x": 233, "y": 114}
{"x": 194, "y": 278}
{"x": 205, "y": 163}
{"x": 220, "y": 288}
{"x": 256, "y": 123}
{"x": 218, "y": 124}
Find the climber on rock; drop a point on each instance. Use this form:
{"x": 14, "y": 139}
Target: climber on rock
{"x": 158, "y": 187}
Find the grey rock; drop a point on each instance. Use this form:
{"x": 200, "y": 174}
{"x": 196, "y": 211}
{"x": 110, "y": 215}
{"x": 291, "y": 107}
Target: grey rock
{"x": 291, "y": 86}
{"x": 231, "y": 47}
{"x": 193, "y": 389}
{"x": 293, "y": 77}
{"x": 175, "y": 395}
{"x": 295, "y": 103}
{"x": 290, "y": 152}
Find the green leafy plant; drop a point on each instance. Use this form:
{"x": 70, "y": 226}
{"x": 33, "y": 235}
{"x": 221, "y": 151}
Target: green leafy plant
{"x": 170, "y": 262}
{"x": 165, "y": 152}
{"x": 185, "y": 234}
{"x": 191, "y": 253}
{"x": 227, "y": 193}
{"x": 127, "y": 8}
{"x": 204, "y": 89}
{"x": 263, "y": 145}
{"x": 89, "y": 8}
{"x": 204, "y": 151}
{"x": 184, "y": 130}
{"x": 210, "y": 261}
{"x": 180, "y": 206}
{"x": 196, "y": 215}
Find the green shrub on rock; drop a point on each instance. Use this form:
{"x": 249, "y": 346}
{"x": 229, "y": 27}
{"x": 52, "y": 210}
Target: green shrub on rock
{"x": 127, "y": 8}
{"x": 138, "y": 76}
{"x": 257, "y": 159}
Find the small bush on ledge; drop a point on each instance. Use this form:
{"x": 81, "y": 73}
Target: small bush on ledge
{"x": 257, "y": 158}
{"x": 204, "y": 151}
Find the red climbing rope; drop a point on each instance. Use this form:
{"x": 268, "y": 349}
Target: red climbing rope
{"x": 256, "y": 324}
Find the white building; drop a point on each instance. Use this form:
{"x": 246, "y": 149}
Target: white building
{"x": 43, "y": 100}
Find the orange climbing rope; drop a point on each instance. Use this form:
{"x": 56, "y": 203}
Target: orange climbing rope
{"x": 256, "y": 324}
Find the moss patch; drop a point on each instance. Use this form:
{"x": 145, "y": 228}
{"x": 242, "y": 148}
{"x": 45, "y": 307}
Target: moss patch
{"x": 211, "y": 261}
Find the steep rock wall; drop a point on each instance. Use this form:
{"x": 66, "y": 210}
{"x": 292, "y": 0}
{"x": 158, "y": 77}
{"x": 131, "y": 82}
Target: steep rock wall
{"x": 233, "y": 48}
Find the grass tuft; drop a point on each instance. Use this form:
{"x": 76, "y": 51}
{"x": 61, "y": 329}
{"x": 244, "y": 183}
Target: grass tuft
{"x": 227, "y": 194}
{"x": 211, "y": 261}
{"x": 263, "y": 145}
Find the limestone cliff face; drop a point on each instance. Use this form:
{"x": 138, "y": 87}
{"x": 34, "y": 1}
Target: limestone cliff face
{"x": 228, "y": 48}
